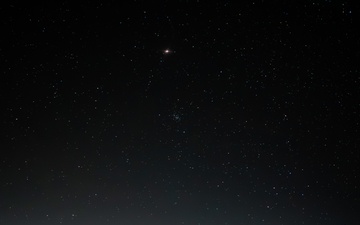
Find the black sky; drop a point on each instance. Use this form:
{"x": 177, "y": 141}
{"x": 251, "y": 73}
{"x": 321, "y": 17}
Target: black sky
{"x": 252, "y": 117}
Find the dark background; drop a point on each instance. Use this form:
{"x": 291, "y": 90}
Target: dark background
{"x": 252, "y": 118}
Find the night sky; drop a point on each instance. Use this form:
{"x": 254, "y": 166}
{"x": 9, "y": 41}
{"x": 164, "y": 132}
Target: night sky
{"x": 180, "y": 112}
